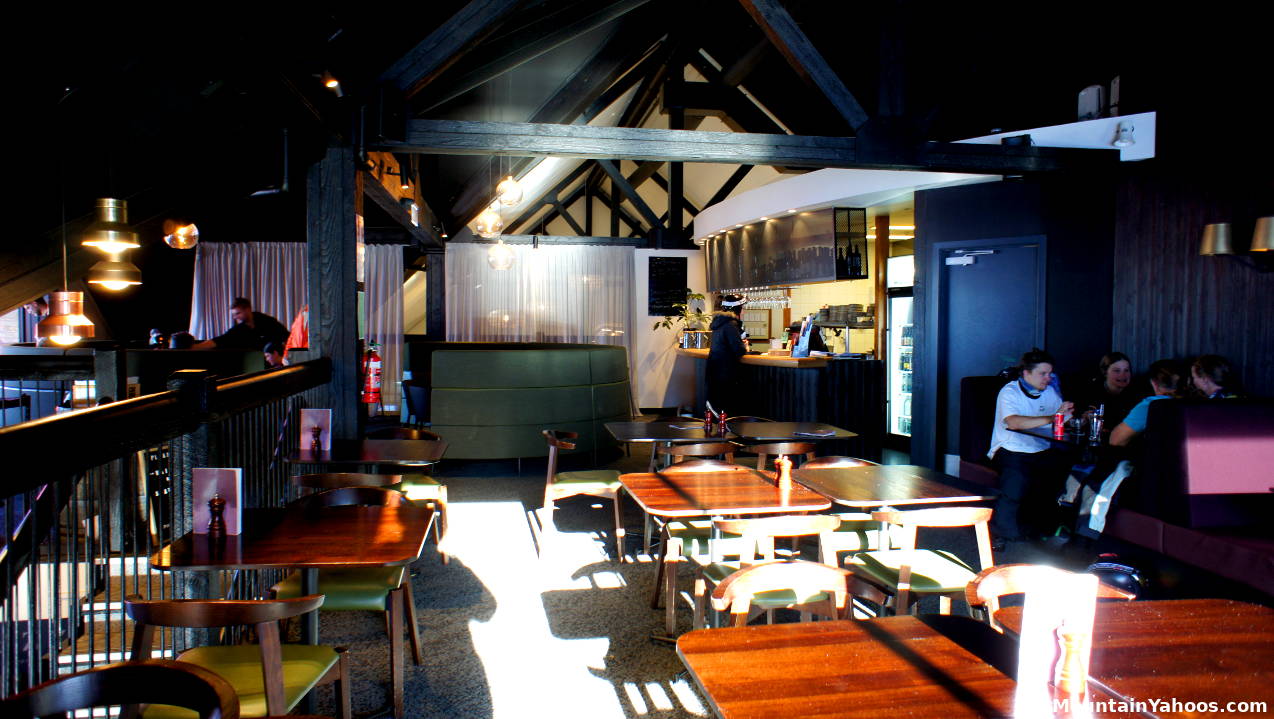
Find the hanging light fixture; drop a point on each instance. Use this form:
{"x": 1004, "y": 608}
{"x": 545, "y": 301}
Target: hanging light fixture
{"x": 1216, "y": 239}
{"x": 489, "y": 224}
{"x": 114, "y": 273}
{"x": 500, "y": 256}
{"x": 509, "y": 191}
{"x": 180, "y": 235}
{"x": 110, "y": 232}
{"x": 66, "y": 323}
{"x": 1263, "y": 235}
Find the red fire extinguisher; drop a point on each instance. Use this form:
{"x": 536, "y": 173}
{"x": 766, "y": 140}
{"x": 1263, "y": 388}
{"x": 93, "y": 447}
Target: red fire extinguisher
{"x": 371, "y": 375}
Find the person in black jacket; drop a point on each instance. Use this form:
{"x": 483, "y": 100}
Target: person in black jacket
{"x": 722, "y": 372}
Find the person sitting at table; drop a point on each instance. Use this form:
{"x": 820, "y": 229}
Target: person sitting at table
{"x": 1214, "y": 378}
{"x": 273, "y": 354}
{"x": 1031, "y": 472}
{"x": 1111, "y": 388}
{"x": 1165, "y": 380}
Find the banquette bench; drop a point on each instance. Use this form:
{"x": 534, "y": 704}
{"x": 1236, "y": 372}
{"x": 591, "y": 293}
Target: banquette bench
{"x": 491, "y": 400}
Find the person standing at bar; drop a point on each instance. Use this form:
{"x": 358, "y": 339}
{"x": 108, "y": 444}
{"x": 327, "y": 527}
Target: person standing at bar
{"x": 252, "y": 330}
{"x": 722, "y": 371}
{"x": 1031, "y": 473}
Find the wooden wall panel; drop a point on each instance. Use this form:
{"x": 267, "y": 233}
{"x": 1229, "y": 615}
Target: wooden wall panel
{"x": 1169, "y": 302}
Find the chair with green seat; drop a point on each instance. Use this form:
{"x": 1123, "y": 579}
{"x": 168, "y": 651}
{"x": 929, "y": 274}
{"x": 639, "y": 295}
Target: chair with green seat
{"x": 603, "y": 483}
{"x": 857, "y": 531}
{"x": 909, "y": 571}
{"x": 128, "y": 684}
{"x": 814, "y": 587}
{"x": 270, "y": 678}
{"x": 417, "y": 483}
{"x": 367, "y": 589}
{"x": 752, "y": 543}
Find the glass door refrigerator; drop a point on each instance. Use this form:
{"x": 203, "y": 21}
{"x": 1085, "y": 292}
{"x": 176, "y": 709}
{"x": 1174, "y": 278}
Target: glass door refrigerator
{"x": 898, "y": 363}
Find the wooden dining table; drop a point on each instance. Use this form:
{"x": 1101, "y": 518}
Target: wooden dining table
{"x": 307, "y": 538}
{"x": 373, "y": 452}
{"x": 894, "y": 485}
{"x": 1188, "y": 650}
{"x": 712, "y": 494}
{"x": 932, "y": 666}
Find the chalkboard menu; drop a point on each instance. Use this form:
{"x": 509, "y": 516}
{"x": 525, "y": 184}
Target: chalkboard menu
{"x": 667, "y": 285}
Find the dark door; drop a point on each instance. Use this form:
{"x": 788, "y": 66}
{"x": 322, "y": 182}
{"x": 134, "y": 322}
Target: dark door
{"x": 991, "y": 311}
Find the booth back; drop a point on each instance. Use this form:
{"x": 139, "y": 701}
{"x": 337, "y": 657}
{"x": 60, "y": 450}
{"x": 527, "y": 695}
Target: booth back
{"x": 492, "y": 401}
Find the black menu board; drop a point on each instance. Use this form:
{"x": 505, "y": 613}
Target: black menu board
{"x": 667, "y": 285}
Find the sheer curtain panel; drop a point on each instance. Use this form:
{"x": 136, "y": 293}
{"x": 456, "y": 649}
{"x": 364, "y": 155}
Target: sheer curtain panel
{"x": 270, "y": 274}
{"x": 556, "y": 293}
{"x": 384, "y": 283}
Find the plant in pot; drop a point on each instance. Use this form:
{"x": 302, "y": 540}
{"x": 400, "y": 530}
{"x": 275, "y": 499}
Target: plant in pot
{"x": 691, "y": 318}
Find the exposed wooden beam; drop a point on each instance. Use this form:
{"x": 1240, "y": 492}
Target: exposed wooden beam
{"x": 728, "y": 186}
{"x": 566, "y": 240}
{"x": 805, "y": 59}
{"x": 563, "y": 213}
{"x": 451, "y": 137}
{"x": 447, "y": 44}
{"x": 423, "y": 235}
{"x": 739, "y": 71}
{"x": 534, "y": 205}
{"x": 630, "y": 192}
{"x": 701, "y": 99}
{"x": 687, "y": 205}
{"x": 547, "y": 32}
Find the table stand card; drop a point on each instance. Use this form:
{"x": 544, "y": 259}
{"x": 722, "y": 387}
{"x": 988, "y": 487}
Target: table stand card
{"x": 1055, "y": 645}
{"x": 209, "y": 481}
{"x": 320, "y": 419}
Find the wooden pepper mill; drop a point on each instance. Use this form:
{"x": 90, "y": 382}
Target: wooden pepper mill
{"x": 784, "y": 466}
{"x": 216, "y": 516}
{"x": 316, "y": 433}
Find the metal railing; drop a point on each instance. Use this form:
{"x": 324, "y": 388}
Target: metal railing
{"x": 86, "y": 498}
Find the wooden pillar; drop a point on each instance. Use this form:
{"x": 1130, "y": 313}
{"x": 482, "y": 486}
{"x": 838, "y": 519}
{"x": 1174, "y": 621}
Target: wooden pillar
{"x": 882, "y": 295}
{"x": 616, "y": 197}
{"x": 676, "y": 183}
{"x": 333, "y": 204}
{"x": 436, "y": 295}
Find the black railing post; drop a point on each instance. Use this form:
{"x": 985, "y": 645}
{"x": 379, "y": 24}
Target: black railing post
{"x": 199, "y": 448}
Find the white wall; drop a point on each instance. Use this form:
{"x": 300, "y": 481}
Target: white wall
{"x": 662, "y": 378}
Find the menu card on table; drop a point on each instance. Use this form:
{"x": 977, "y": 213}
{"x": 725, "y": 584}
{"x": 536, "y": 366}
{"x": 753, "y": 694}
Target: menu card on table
{"x": 320, "y": 419}
{"x": 207, "y": 482}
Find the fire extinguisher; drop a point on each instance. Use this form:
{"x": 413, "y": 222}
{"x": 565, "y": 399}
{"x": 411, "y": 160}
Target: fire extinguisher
{"x": 371, "y": 375}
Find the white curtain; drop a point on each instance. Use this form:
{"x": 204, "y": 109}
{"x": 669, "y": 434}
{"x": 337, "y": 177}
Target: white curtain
{"x": 271, "y": 275}
{"x": 384, "y": 284}
{"x": 556, "y": 293}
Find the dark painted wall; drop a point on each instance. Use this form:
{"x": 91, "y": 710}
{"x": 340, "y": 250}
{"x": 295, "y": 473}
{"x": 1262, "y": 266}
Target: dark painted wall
{"x": 1075, "y": 216}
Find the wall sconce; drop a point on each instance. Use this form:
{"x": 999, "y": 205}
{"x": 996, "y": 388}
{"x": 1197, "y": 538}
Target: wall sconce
{"x": 330, "y": 82}
{"x": 180, "y": 235}
{"x": 1260, "y": 255}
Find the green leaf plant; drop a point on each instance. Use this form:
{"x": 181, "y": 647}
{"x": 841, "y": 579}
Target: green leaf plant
{"x": 689, "y": 315}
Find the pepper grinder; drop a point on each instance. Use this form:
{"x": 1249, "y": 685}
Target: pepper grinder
{"x": 216, "y": 516}
{"x": 784, "y": 466}
{"x": 315, "y": 433}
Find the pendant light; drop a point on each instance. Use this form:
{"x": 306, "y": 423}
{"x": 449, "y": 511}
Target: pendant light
{"x": 66, "y": 323}
{"x": 110, "y": 232}
{"x": 489, "y": 224}
{"x": 114, "y": 273}
{"x": 509, "y": 191}
{"x": 1216, "y": 239}
{"x": 500, "y": 256}
{"x": 1263, "y": 235}
{"x": 180, "y": 235}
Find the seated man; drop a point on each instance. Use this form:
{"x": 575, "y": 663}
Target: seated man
{"x": 252, "y": 330}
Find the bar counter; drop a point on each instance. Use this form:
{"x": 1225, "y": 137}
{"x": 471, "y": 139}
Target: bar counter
{"x": 845, "y": 393}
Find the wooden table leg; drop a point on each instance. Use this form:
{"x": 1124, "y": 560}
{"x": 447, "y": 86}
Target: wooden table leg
{"x": 309, "y": 623}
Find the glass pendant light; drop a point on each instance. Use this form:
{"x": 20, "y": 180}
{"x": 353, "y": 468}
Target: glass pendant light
{"x": 500, "y": 256}
{"x": 180, "y": 235}
{"x": 509, "y": 191}
{"x": 114, "y": 273}
{"x": 489, "y": 224}
{"x": 110, "y": 232}
{"x": 66, "y": 323}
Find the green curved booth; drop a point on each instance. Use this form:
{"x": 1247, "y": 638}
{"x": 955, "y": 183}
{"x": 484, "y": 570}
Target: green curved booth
{"x": 491, "y": 400}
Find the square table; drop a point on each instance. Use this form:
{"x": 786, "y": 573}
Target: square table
{"x": 397, "y": 452}
{"x": 873, "y": 486}
{"x": 707, "y": 494}
{"x": 788, "y": 431}
{"x": 308, "y": 539}
{"x": 1191, "y": 650}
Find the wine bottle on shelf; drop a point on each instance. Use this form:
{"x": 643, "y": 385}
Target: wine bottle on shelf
{"x": 855, "y": 261}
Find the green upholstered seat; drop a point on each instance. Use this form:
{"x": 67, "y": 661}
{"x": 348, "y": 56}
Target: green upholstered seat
{"x": 362, "y": 589}
{"x": 240, "y": 666}
{"x": 716, "y": 572}
{"x": 932, "y": 571}
{"x": 693, "y": 535}
{"x": 588, "y": 479}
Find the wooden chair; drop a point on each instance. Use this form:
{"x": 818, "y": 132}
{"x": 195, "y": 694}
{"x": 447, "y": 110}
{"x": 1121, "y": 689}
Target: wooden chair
{"x": 857, "y": 532}
{"x": 831, "y": 588}
{"x": 703, "y": 465}
{"x": 702, "y": 450}
{"x": 773, "y": 449}
{"x": 269, "y": 679}
{"x": 835, "y": 461}
{"x": 602, "y": 483}
{"x": 906, "y": 570}
{"x": 986, "y": 589}
{"x": 375, "y": 589}
{"x": 753, "y": 543}
{"x": 418, "y": 485}
{"x": 150, "y": 681}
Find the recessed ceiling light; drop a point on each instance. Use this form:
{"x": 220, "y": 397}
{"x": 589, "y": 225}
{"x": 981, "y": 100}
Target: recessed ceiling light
{"x": 763, "y": 219}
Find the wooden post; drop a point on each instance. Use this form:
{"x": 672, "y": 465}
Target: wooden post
{"x": 333, "y": 205}
{"x": 882, "y": 294}
{"x": 109, "y": 370}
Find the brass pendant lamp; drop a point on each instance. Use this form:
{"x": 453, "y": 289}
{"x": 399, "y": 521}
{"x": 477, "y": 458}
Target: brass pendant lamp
{"x": 114, "y": 273}
{"x": 66, "y": 323}
{"x": 110, "y": 232}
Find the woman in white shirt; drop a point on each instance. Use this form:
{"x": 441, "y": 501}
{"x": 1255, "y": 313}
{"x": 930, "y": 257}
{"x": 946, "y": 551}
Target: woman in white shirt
{"x": 1031, "y": 474}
